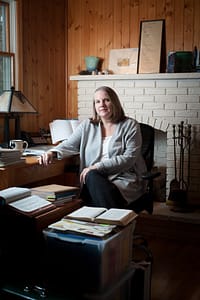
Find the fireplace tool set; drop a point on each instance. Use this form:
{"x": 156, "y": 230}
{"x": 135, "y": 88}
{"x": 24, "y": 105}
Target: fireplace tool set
{"x": 180, "y": 184}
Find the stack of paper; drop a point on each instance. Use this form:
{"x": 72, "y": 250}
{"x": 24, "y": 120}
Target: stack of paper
{"x": 89, "y": 228}
{"x": 56, "y": 193}
{"x": 9, "y": 156}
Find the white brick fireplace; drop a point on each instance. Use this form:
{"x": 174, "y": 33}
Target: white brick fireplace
{"x": 160, "y": 100}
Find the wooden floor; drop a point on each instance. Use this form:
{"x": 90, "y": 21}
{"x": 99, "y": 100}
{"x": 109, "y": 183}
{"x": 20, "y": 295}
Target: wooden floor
{"x": 174, "y": 240}
{"x": 176, "y": 270}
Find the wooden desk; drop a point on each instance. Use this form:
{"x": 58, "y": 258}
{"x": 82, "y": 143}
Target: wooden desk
{"x": 30, "y": 173}
{"x": 9, "y": 218}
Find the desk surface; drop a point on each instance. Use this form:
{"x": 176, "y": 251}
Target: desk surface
{"x": 29, "y": 171}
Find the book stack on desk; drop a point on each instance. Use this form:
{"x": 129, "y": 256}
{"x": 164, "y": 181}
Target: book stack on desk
{"x": 9, "y": 156}
{"x": 56, "y": 193}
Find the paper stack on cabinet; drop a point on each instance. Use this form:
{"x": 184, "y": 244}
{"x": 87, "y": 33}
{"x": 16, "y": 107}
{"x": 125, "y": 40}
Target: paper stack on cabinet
{"x": 9, "y": 156}
{"x": 88, "y": 228}
{"x": 56, "y": 193}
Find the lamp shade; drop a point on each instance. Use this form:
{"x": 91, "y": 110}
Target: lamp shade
{"x": 12, "y": 105}
{"x": 12, "y": 101}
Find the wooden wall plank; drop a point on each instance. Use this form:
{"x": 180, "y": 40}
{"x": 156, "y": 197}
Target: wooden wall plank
{"x": 179, "y": 19}
{"x": 196, "y": 36}
{"x": 74, "y": 50}
{"x": 160, "y": 9}
{"x": 151, "y": 10}
{"x": 117, "y": 24}
{"x": 125, "y": 24}
{"x": 143, "y": 10}
{"x": 134, "y": 23}
{"x": 188, "y": 25}
{"x": 92, "y": 17}
{"x": 169, "y": 24}
{"x": 100, "y": 30}
{"x": 107, "y": 28}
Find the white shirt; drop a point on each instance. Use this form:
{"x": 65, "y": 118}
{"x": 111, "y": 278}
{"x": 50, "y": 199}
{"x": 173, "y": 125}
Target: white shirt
{"x": 105, "y": 144}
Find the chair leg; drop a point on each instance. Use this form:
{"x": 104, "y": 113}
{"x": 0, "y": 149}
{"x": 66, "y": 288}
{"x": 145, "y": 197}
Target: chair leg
{"x": 149, "y": 206}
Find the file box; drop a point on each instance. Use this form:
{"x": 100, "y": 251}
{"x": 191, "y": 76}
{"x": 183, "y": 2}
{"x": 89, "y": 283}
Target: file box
{"x": 85, "y": 262}
{"x": 121, "y": 289}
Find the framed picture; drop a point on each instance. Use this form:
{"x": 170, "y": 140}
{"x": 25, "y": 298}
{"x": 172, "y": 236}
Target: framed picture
{"x": 123, "y": 61}
{"x": 150, "y": 46}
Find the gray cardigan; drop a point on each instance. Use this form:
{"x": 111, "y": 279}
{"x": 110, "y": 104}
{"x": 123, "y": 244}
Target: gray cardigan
{"x": 125, "y": 163}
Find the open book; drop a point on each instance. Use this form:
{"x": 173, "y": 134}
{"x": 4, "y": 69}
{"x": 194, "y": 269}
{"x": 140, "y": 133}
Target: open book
{"x": 21, "y": 200}
{"x": 116, "y": 216}
{"x": 61, "y": 129}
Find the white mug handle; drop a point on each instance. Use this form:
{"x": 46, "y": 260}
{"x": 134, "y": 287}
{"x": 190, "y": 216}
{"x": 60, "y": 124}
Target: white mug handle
{"x": 25, "y": 145}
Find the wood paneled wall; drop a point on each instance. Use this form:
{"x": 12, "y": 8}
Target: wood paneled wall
{"x": 58, "y": 34}
{"x": 95, "y": 27}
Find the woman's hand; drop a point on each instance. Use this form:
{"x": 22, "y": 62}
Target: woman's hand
{"x": 84, "y": 173}
{"x": 46, "y": 158}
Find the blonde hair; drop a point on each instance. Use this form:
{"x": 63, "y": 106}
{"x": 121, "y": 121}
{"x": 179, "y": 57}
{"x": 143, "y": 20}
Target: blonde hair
{"x": 117, "y": 110}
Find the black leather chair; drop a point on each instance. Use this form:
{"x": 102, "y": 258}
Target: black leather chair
{"x": 145, "y": 202}
{"x": 142, "y": 255}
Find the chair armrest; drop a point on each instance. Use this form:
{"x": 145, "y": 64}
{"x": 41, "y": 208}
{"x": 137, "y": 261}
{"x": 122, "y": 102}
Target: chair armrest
{"x": 150, "y": 175}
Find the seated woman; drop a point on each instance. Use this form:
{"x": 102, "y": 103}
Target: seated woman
{"x": 109, "y": 144}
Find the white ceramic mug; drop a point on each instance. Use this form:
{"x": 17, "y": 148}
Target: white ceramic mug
{"x": 18, "y": 145}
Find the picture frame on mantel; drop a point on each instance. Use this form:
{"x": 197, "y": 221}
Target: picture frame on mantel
{"x": 123, "y": 61}
{"x": 151, "y": 47}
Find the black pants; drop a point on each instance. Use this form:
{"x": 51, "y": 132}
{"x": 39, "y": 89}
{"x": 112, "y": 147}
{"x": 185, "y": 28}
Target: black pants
{"x": 99, "y": 191}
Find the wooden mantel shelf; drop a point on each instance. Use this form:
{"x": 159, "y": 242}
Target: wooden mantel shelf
{"x": 136, "y": 76}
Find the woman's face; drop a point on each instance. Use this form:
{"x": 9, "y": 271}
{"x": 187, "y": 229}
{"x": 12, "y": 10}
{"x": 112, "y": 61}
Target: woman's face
{"x": 103, "y": 105}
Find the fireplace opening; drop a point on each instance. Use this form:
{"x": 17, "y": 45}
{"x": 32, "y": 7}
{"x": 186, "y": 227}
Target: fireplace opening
{"x": 160, "y": 164}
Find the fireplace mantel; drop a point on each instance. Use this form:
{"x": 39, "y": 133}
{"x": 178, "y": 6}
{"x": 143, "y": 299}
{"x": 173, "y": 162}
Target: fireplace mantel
{"x": 159, "y": 100}
{"x": 136, "y": 76}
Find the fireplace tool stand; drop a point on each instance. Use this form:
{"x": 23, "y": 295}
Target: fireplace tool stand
{"x": 179, "y": 186}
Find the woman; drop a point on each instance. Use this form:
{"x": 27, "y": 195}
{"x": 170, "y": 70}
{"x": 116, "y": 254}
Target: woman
{"x": 110, "y": 153}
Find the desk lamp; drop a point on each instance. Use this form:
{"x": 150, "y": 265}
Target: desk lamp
{"x": 12, "y": 105}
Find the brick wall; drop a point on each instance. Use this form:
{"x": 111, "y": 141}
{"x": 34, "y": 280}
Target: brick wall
{"x": 160, "y": 100}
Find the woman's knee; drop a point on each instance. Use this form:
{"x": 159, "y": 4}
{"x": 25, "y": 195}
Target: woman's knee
{"x": 92, "y": 177}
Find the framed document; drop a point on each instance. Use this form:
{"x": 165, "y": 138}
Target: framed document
{"x": 123, "y": 61}
{"x": 150, "y": 46}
